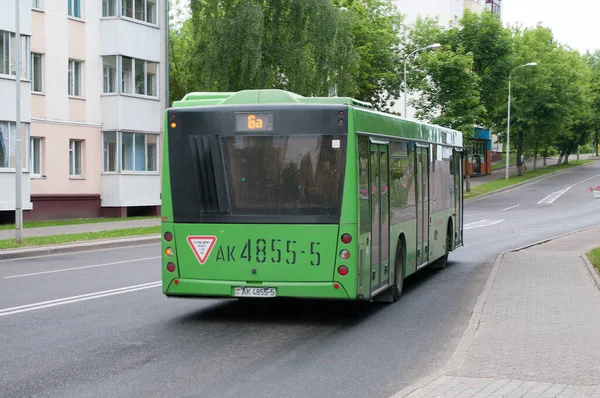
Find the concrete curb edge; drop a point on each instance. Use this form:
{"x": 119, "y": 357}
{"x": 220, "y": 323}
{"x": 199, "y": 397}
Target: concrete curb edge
{"x": 461, "y": 351}
{"x": 592, "y": 270}
{"x": 11, "y": 254}
{"x": 525, "y": 183}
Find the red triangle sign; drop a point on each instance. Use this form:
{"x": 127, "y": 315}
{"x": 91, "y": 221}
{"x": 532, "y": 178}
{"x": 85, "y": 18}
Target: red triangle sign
{"x": 202, "y": 246}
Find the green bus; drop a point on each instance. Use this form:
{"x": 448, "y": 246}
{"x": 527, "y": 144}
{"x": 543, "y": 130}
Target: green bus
{"x": 266, "y": 193}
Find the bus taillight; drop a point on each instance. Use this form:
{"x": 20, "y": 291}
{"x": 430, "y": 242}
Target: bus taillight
{"x": 344, "y": 254}
{"x": 168, "y": 236}
{"x": 170, "y": 267}
{"x": 169, "y": 252}
{"x": 343, "y": 270}
{"x": 346, "y": 238}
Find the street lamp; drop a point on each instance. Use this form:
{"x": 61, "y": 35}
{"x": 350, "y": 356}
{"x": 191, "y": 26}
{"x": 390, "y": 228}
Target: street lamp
{"x": 508, "y": 120}
{"x": 433, "y": 46}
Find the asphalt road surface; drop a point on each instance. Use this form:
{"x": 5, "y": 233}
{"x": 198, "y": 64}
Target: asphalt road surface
{"x": 96, "y": 324}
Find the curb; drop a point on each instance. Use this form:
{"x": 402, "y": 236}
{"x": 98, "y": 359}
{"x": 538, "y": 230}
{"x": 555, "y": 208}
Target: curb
{"x": 461, "y": 351}
{"x": 525, "y": 183}
{"x": 11, "y": 254}
{"x": 592, "y": 270}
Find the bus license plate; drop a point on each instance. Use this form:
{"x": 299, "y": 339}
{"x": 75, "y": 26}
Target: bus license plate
{"x": 255, "y": 292}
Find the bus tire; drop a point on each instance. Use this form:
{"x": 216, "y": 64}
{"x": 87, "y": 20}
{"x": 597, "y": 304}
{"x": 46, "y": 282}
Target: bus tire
{"x": 441, "y": 262}
{"x": 398, "y": 273}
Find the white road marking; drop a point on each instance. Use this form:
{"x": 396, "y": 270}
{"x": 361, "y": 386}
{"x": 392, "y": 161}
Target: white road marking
{"x": 83, "y": 267}
{"x": 555, "y": 195}
{"x": 481, "y": 223}
{"x": 508, "y": 208}
{"x": 75, "y": 299}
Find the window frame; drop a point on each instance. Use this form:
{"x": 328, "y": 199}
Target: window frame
{"x": 133, "y": 161}
{"x": 71, "y": 9}
{"x": 106, "y": 11}
{"x": 120, "y": 153}
{"x": 73, "y": 159}
{"x": 8, "y": 145}
{"x": 33, "y": 70}
{"x": 71, "y": 81}
{"x": 145, "y": 20}
{"x": 8, "y": 45}
{"x": 126, "y": 79}
{"x": 36, "y": 151}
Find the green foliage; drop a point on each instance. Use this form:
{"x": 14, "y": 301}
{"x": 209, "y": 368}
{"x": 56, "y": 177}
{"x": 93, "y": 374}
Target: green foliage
{"x": 462, "y": 82}
{"x": 313, "y": 48}
{"x": 358, "y": 47}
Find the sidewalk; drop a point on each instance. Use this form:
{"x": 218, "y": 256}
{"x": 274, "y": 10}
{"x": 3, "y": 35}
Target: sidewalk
{"x": 535, "y": 330}
{"x": 81, "y": 228}
{"x": 501, "y": 173}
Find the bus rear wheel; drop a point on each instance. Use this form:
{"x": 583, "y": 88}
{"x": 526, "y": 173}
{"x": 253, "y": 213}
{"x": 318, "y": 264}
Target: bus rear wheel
{"x": 399, "y": 273}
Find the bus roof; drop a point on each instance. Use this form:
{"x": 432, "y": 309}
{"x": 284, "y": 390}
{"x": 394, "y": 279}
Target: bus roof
{"x": 261, "y": 96}
{"x": 276, "y": 96}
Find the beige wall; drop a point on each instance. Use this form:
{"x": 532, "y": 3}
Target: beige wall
{"x": 55, "y": 164}
{"x": 76, "y": 39}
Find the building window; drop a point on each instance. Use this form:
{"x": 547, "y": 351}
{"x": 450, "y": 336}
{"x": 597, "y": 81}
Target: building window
{"x": 74, "y": 78}
{"x": 142, "y": 10}
{"x": 109, "y": 74}
{"x": 8, "y": 61}
{"x": 8, "y": 136}
{"x": 139, "y": 77}
{"x": 37, "y": 4}
{"x": 75, "y": 8}
{"x": 110, "y": 151}
{"x": 109, "y": 8}
{"x": 36, "y": 73}
{"x": 139, "y": 152}
{"x": 36, "y": 156}
{"x": 75, "y": 158}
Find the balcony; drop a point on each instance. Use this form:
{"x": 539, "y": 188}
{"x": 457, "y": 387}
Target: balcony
{"x": 7, "y": 191}
{"x": 125, "y": 190}
{"x": 476, "y": 6}
{"x": 130, "y": 37}
{"x": 8, "y": 106}
{"x": 123, "y": 112}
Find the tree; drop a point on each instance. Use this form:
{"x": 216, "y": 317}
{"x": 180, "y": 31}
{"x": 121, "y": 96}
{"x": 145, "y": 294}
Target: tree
{"x": 316, "y": 47}
{"x": 449, "y": 89}
{"x": 593, "y": 61}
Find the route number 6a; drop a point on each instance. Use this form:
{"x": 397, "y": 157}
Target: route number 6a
{"x": 254, "y": 122}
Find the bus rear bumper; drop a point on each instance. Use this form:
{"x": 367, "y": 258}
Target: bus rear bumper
{"x": 210, "y": 288}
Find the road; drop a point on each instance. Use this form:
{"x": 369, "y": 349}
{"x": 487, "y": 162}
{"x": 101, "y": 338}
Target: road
{"x": 96, "y": 324}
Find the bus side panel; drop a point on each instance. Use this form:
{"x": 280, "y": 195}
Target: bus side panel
{"x": 442, "y": 200}
{"x": 349, "y": 217}
{"x": 166, "y": 207}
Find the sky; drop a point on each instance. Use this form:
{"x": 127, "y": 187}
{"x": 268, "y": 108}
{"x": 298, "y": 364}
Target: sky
{"x": 573, "y": 22}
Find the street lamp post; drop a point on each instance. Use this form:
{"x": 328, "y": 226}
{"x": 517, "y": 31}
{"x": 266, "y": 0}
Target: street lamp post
{"x": 18, "y": 168}
{"x": 429, "y": 47}
{"x": 508, "y": 120}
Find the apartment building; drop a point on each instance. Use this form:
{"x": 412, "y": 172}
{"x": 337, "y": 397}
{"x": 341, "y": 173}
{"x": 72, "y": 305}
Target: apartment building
{"x": 94, "y": 91}
{"x": 445, "y": 10}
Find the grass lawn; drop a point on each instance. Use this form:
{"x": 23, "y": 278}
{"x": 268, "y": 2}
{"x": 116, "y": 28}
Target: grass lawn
{"x": 69, "y": 238}
{"x": 502, "y": 163}
{"x": 75, "y": 221}
{"x": 527, "y": 175}
{"x": 594, "y": 257}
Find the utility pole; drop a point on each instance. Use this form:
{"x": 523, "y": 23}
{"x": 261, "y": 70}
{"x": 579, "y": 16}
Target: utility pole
{"x": 18, "y": 168}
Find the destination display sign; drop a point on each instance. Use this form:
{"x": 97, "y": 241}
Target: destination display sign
{"x": 254, "y": 121}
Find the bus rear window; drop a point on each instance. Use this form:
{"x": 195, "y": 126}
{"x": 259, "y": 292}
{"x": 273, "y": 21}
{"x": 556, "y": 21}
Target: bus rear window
{"x": 285, "y": 174}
